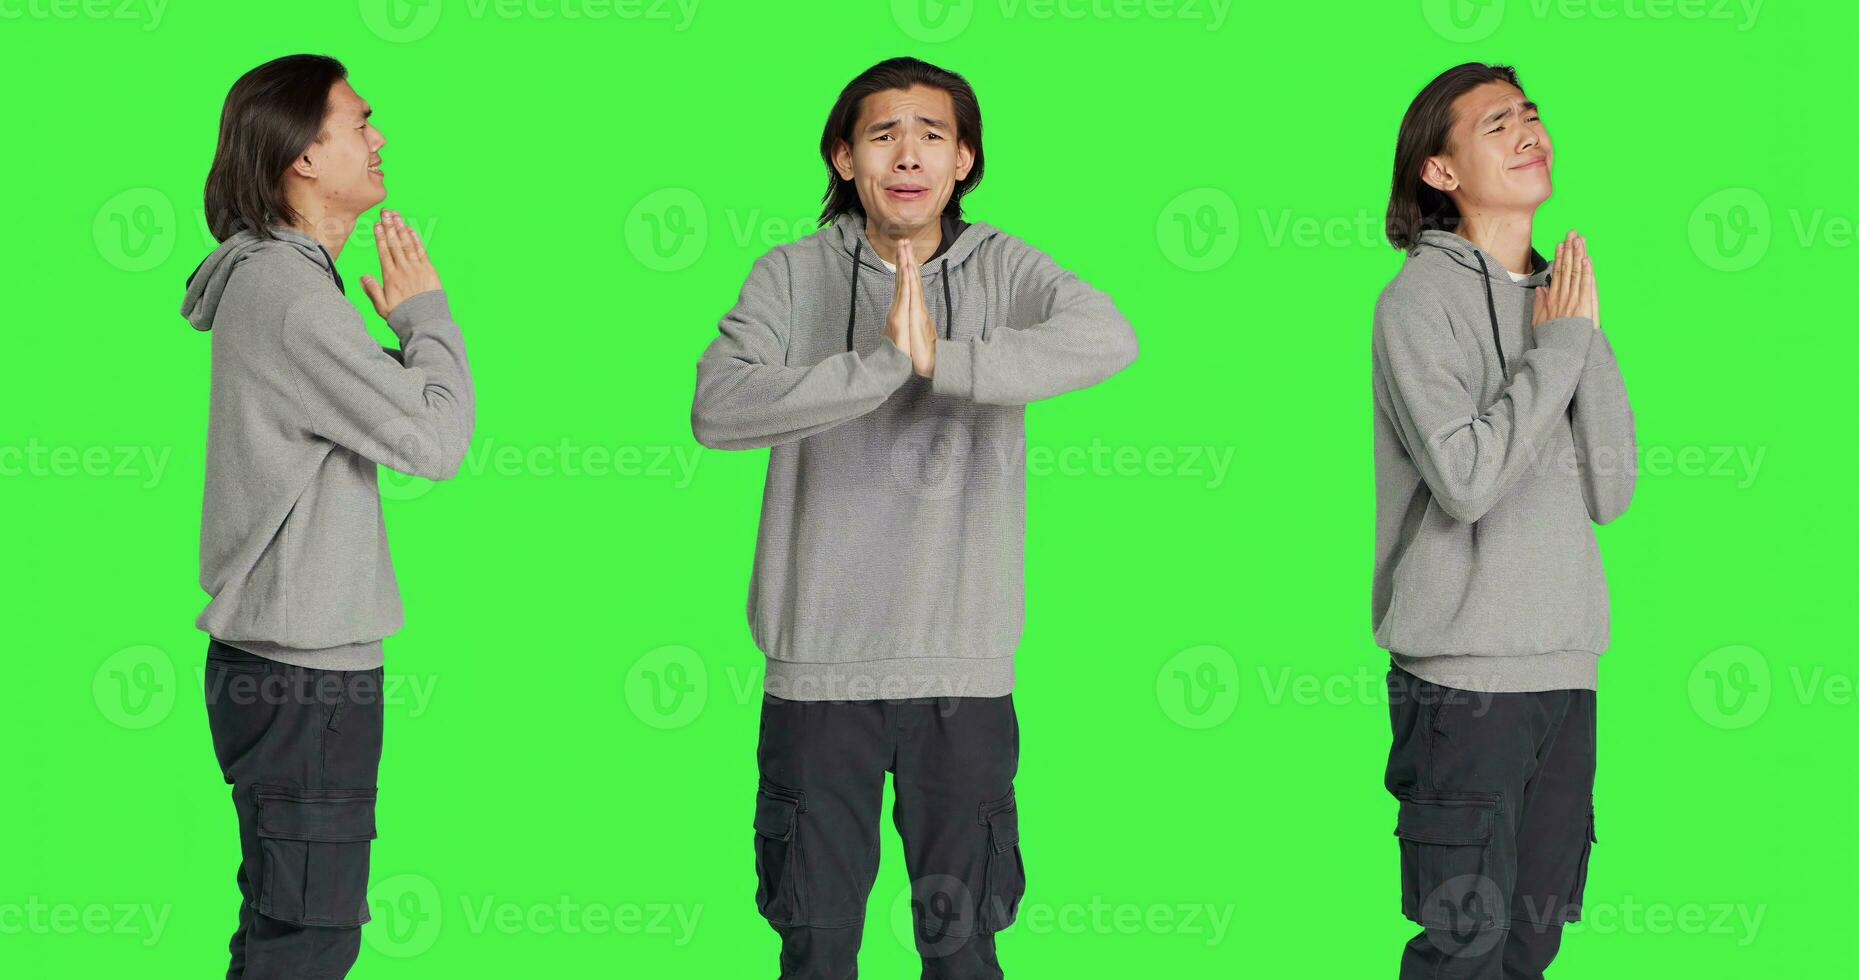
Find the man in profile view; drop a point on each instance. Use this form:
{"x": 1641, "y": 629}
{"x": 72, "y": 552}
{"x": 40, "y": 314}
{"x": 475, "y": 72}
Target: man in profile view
{"x": 293, "y": 552}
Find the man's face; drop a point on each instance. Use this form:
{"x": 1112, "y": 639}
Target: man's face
{"x": 1498, "y": 157}
{"x": 904, "y": 157}
{"x": 344, "y": 161}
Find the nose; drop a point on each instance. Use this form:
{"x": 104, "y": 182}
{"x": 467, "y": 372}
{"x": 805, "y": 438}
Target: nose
{"x": 376, "y": 140}
{"x": 907, "y": 158}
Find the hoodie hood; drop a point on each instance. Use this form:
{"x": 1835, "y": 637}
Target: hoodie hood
{"x": 959, "y": 241}
{"x": 207, "y": 283}
{"x": 1444, "y": 246}
{"x": 1478, "y": 262}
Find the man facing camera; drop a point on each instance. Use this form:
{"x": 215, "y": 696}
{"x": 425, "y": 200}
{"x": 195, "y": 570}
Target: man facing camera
{"x": 887, "y": 360}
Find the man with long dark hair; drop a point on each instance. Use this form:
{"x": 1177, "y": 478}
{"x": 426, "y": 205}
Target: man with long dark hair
{"x": 887, "y": 359}
{"x": 292, "y": 546}
{"x": 1502, "y": 434}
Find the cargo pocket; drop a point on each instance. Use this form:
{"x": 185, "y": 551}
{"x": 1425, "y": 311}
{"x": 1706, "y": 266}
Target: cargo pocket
{"x": 314, "y": 854}
{"x": 1581, "y": 872}
{"x": 1445, "y": 862}
{"x": 777, "y": 816}
{"x": 1006, "y": 872}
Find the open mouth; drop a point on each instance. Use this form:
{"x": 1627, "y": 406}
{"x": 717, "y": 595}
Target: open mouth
{"x": 907, "y": 192}
{"x": 375, "y": 168}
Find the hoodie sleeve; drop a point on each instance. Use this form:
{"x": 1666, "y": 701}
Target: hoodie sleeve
{"x": 1062, "y": 335}
{"x": 413, "y": 414}
{"x": 1470, "y": 458}
{"x": 1602, "y": 423}
{"x": 748, "y": 397}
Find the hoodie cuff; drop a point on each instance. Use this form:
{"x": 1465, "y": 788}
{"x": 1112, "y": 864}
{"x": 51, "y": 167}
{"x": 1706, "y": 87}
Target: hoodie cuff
{"x": 889, "y": 362}
{"x": 1569, "y": 335}
{"x": 955, "y": 368}
{"x": 1600, "y": 351}
{"x": 419, "y": 310}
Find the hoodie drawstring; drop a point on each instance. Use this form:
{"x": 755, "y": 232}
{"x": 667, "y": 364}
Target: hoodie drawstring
{"x": 333, "y": 274}
{"x": 1492, "y": 306}
{"x": 948, "y": 303}
{"x": 852, "y": 308}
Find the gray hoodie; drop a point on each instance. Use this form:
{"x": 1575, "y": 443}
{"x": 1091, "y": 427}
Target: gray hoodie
{"x": 1496, "y": 446}
{"x": 304, "y": 403}
{"x": 889, "y": 562}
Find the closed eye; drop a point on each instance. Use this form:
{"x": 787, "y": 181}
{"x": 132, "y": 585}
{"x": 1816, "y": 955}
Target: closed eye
{"x": 1501, "y": 127}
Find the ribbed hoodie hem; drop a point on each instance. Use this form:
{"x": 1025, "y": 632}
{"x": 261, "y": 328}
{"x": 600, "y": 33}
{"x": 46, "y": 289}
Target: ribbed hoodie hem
{"x": 1554, "y": 671}
{"x": 890, "y": 680}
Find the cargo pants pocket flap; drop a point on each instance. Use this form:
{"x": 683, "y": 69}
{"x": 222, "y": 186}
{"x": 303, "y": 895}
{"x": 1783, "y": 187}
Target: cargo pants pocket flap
{"x": 316, "y": 815}
{"x": 1446, "y": 821}
{"x": 777, "y": 853}
{"x": 1446, "y": 876}
{"x": 1005, "y": 881}
{"x": 313, "y": 854}
{"x": 774, "y": 813}
{"x": 1003, "y": 820}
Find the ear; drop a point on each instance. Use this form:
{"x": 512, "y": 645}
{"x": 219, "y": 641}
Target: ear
{"x": 1437, "y": 174}
{"x": 964, "y": 159}
{"x": 842, "y": 159}
{"x": 303, "y": 166}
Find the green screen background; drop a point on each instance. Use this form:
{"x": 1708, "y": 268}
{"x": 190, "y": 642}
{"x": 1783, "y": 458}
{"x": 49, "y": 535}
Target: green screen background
{"x": 1204, "y": 725}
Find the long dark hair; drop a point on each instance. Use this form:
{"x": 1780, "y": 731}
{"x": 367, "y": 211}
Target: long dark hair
{"x": 272, "y": 113}
{"x": 1426, "y": 129}
{"x": 898, "y": 73}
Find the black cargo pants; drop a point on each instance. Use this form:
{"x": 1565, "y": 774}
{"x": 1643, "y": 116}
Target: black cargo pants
{"x": 817, "y": 810}
{"x": 301, "y": 748}
{"x": 1496, "y": 822}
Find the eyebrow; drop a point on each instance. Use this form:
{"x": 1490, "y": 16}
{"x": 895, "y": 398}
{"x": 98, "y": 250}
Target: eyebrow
{"x": 1501, "y": 113}
{"x": 882, "y": 125}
